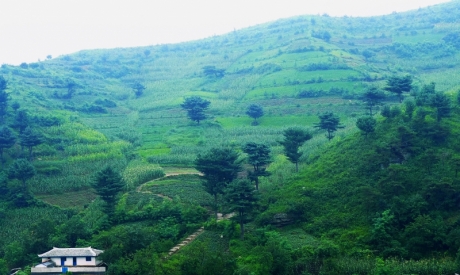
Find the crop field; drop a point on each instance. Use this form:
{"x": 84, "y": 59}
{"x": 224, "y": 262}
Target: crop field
{"x": 71, "y": 199}
{"x": 15, "y": 221}
{"x": 186, "y": 188}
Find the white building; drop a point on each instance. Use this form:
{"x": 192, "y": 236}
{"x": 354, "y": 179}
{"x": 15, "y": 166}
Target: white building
{"x": 75, "y": 260}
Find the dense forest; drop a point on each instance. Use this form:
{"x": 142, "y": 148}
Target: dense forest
{"x": 308, "y": 145}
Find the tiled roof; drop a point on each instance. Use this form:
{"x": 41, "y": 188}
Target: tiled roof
{"x": 71, "y": 252}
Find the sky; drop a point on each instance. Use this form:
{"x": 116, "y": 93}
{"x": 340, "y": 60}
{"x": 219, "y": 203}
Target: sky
{"x": 30, "y": 30}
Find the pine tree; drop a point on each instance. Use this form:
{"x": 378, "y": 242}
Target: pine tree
{"x": 258, "y": 157}
{"x": 7, "y": 140}
{"x": 293, "y": 139}
{"x": 330, "y": 123}
{"x": 21, "y": 121}
{"x": 373, "y": 97}
{"x": 399, "y": 85}
{"x": 30, "y": 138}
{"x": 108, "y": 183}
{"x": 4, "y": 97}
{"x": 242, "y": 199}
{"x": 22, "y": 170}
{"x": 366, "y": 124}
{"x": 219, "y": 167}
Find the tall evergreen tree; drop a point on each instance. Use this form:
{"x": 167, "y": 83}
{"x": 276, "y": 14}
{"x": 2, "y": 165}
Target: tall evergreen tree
{"x": 21, "y": 120}
{"x": 330, "y": 123}
{"x": 366, "y": 124}
{"x": 7, "y": 140}
{"x": 441, "y": 103}
{"x": 30, "y": 138}
{"x": 293, "y": 139}
{"x": 22, "y": 170}
{"x": 108, "y": 183}
{"x": 258, "y": 157}
{"x": 242, "y": 199}
{"x": 399, "y": 85}
{"x": 195, "y": 107}
{"x": 219, "y": 167}
{"x": 373, "y": 97}
{"x": 4, "y": 97}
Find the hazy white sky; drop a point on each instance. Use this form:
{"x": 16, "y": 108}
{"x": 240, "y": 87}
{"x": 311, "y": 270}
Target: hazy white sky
{"x": 32, "y": 29}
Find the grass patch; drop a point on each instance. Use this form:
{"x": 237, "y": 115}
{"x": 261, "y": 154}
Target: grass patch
{"x": 281, "y": 121}
{"x": 186, "y": 188}
{"x": 72, "y": 199}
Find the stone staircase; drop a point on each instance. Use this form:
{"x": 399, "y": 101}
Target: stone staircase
{"x": 186, "y": 241}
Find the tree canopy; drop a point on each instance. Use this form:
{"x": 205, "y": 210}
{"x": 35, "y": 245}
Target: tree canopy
{"x": 258, "y": 157}
{"x": 255, "y": 111}
{"x": 293, "y": 139}
{"x": 108, "y": 183}
{"x": 195, "y": 107}
{"x": 213, "y": 71}
{"x": 138, "y": 89}
{"x": 7, "y": 140}
{"x": 399, "y": 85}
{"x": 366, "y": 124}
{"x": 330, "y": 123}
{"x": 241, "y": 198}
{"x": 219, "y": 166}
{"x": 22, "y": 170}
{"x": 373, "y": 97}
{"x": 30, "y": 138}
{"x": 4, "y": 97}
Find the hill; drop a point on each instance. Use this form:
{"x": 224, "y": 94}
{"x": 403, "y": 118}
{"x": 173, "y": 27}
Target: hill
{"x": 122, "y": 108}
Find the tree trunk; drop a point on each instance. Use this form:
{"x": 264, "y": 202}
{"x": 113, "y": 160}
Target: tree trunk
{"x": 257, "y": 183}
{"x": 30, "y": 153}
{"x": 241, "y": 226}
{"x": 215, "y": 205}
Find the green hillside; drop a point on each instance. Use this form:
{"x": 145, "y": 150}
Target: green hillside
{"x": 381, "y": 203}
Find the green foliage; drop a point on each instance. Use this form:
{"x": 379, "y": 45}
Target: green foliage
{"x": 22, "y": 170}
{"x": 4, "y": 97}
{"x": 7, "y": 140}
{"x": 409, "y": 168}
{"x": 213, "y": 71}
{"x": 330, "y": 123}
{"x": 399, "y": 85}
{"x": 255, "y": 111}
{"x": 138, "y": 89}
{"x": 441, "y": 102}
{"x": 108, "y": 183}
{"x": 21, "y": 120}
{"x": 373, "y": 97}
{"x": 241, "y": 198}
{"x": 219, "y": 167}
{"x": 138, "y": 173}
{"x": 195, "y": 107}
{"x": 293, "y": 139}
{"x": 259, "y": 157}
{"x": 30, "y": 138}
{"x": 366, "y": 124}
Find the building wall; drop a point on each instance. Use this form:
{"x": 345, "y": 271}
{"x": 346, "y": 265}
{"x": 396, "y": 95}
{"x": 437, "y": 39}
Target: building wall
{"x": 74, "y": 270}
{"x": 81, "y": 261}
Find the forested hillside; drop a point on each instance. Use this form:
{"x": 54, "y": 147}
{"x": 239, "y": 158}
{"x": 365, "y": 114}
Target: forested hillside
{"x": 347, "y": 127}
